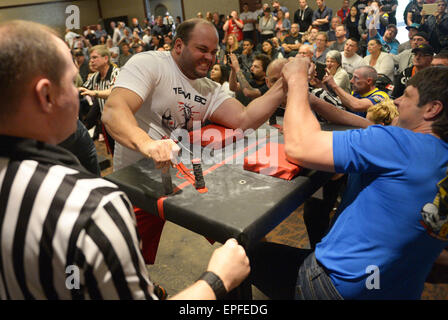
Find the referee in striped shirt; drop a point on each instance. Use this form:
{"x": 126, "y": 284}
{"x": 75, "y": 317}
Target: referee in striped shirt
{"x": 64, "y": 233}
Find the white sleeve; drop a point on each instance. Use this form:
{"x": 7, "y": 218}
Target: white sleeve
{"x": 138, "y": 75}
{"x": 219, "y": 96}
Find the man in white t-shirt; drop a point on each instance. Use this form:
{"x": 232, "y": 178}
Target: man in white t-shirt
{"x": 158, "y": 92}
{"x": 350, "y": 59}
{"x": 249, "y": 19}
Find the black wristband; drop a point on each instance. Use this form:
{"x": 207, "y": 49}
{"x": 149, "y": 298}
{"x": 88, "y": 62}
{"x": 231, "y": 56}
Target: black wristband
{"x": 215, "y": 282}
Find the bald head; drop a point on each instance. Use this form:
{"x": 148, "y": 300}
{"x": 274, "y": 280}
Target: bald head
{"x": 274, "y": 71}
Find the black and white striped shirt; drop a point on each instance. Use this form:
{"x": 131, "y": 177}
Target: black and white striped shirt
{"x": 58, "y": 221}
{"x": 96, "y": 83}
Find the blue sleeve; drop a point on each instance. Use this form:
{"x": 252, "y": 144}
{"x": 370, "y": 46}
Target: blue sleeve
{"x": 377, "y": 149}
{"x": 330, "y": 14}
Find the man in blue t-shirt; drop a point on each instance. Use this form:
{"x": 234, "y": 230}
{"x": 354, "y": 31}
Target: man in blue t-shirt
{"x": 378, "y": 246}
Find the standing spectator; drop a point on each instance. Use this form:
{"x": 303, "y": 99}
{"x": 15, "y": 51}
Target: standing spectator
{"x": 111, "y": 30}
{"x": 414, "y": 12}
{"x": 390, "y": 7}
{"x": 70, "y": 36}
{"x": 125, "y": 54}
{"x": 350, "y": 59}
{"x": 268, "y": 48}
{"x": 135, "y": 26}
{"x": 320, "y": 52}
{"x": 303, "y": 16}
{"x": 277, "y": 8}
{"x": 344, "y": 11}
{"x": 322, "y": 16}
{"x": 437, "y": 26}
{"x": 218, "y": 25}
{"x": 100, "y": 32}
{"x": 352, "y": 22}
{"x": 234, "y": 25}
{"x": 118, "y": 33}
{"x": 249, "y": 19}
{"x": 159, "y": 28}
{"x": 382, "y": 62}
{"x": 282, "y": 26}
{"x": 266, "y": 25}
{"x": 127, "y": 37}
{"x": 339, "y": 44}
{"x": 232, "y": 45}
{"x": 292, "y": 42}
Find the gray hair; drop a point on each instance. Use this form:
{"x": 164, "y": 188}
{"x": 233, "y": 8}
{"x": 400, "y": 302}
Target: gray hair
{"x": 336, "y": 55}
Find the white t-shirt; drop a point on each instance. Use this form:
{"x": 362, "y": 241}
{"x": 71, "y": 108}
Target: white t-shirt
{"x": 350, "y": 64}
{"x": 170, "y": 99}
{"x": 248, "y": 16}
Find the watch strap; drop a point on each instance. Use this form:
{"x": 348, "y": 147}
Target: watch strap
{"x": 215, "y": 282}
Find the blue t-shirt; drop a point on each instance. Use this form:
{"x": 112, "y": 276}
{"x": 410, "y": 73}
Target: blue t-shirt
{"x": 389, "y": 47}
{"x": 393, "y": 174}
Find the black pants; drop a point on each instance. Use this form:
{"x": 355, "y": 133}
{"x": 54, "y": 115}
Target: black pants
{"x": 284, "y": 273}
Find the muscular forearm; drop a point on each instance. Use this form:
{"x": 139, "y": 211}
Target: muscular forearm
{"x": 259, "y": 110}
{"x": 350, "y": 101}
{"x": 244, "y": 84}
{"x": 123, "y": 127}
{"x": 200, "y": 290}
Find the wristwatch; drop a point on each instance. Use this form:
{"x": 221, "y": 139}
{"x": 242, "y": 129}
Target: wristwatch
{"x": 96, "y": 94}
{"x": 215, "y": 282}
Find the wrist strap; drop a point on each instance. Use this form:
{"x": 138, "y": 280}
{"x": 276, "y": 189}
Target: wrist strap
{"x": 215, "y": 282}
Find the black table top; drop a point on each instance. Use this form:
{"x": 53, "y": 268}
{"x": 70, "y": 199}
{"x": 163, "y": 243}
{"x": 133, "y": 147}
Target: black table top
{"x": 239, "y": 203}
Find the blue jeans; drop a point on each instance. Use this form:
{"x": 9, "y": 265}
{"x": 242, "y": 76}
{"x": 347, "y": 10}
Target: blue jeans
{"x": 284, "y": 273}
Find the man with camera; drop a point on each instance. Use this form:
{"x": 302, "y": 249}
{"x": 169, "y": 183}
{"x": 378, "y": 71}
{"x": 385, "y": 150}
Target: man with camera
{"x": 234, "y": 25}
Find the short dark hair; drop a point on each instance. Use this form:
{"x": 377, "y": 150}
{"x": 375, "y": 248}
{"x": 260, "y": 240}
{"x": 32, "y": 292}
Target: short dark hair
{"x": 265, "y": 60}
{"x": 27, "y": 50}
{"x": 431, "y": 86}
{"x": 184, "y": 30}
{"x": 442, "y": 55}
{"x": 354, "y": 40}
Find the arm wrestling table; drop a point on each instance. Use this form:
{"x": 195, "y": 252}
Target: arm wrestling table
{"x": 239, "y": 204}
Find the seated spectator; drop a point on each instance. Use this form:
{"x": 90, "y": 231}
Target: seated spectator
{"x": 156, "y": 42}
{"x": 331, "y": 34}
{"x": 292, "y": 42}
{"x": 82, "y": 63}
{"x": 282, "y": 26}
{"x": 382, "y": 113}
{"x": 100, "y": 32}
{"x": 340, "y": 34}
{"x": 136, "y": 40}
{"x": 320, "y": 52}
{"x": 382, "y": 62}
{"x": 352, "y": 23}
{"x": 412, "y": 30}
{"x": 125, "y": 55}
{"x": 137, "y": 48}
{"x": 232, "y": 45}
{"x": 334, "y": 68}
{"x": 440, "y": 59}
{"x": 322, "y": 16}
{"x": 422, "y": 58}
{"x": 304, "y": 16}
{"x": 344, "y": 12}
{"x": 147, "y": 37}
{"x": 254, "y": 87}
{"x": 388, "y": 41}
{"x": 269, "y": 49}
{"x": 266, "y": 25}
{"x": 350, "y": 59}
{"x": 114, "y": 51}
{"x": 167, "y": 47}
{"x": 377, "y": 159}
{"x": 220, "y": 73}
{"x": 437, "y": 26}
{"x": 404, "y": 59}
{"x": 306, "y": 51}
{"x": 365, "y": 93}
{"x": 247, "y": 56}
